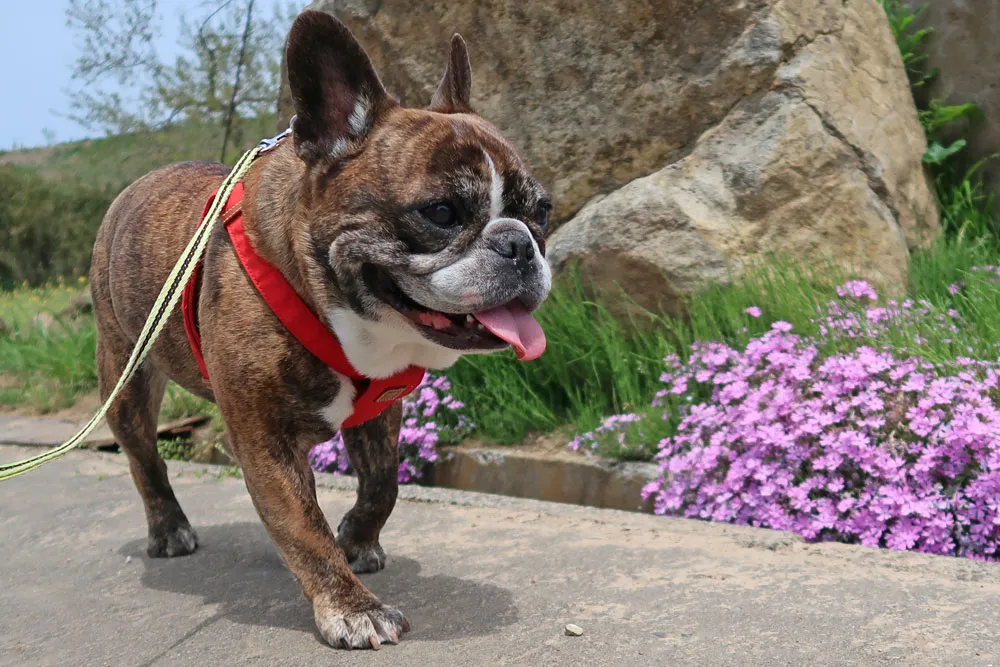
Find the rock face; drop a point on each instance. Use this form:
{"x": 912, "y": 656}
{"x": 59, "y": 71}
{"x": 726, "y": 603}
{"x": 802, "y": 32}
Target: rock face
{"x": 684, "y": 137}
{"x": 965, "y": 47}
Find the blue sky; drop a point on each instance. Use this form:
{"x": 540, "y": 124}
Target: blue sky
{"x": 37, "y": 52}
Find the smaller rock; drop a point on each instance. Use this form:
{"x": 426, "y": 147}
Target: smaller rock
{"x": 211, "y": 451}
{"x": 128, "y": 559}
{"x": 573, "y": 630}
{"x": 81, "y": 304}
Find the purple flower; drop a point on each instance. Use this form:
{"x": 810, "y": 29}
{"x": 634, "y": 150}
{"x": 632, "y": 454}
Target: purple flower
{"x": 753, "y": 311}
{"x": 857, "y": 290}
{"x": 863, "y": 446}
{"x": 431, "y": 416}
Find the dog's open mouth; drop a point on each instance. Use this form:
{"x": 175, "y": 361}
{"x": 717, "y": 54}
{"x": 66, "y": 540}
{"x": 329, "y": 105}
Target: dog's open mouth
{"x": 493, "y": 329}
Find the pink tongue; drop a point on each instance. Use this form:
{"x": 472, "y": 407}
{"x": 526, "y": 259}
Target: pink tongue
{"x": 515, "y": 325}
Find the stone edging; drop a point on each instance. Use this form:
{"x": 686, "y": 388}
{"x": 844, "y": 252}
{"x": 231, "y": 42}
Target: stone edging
{"x": 557, "y": 478}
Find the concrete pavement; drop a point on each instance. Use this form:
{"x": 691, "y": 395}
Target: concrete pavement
{"x": 484, "y": 580}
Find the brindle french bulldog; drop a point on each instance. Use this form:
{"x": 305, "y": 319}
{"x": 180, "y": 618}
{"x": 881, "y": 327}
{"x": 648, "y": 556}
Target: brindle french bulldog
{"x": 415, "y": 235}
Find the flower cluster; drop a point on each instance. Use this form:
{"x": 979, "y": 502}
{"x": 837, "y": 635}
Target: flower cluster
{"x": 864, "y": 446}
{"x": 431, "y": 416}
{"x": 858, "y": 290}
{"x": 855, "y": 315}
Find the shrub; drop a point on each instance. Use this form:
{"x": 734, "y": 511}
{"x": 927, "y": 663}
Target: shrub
{"x": 47, "y": 229}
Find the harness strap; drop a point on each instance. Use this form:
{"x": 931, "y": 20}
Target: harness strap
{"x": 371, "y": 395}
{"x": 192, "y": 290}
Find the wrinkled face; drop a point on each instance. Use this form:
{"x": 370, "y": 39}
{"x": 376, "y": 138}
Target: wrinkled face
{"x": 425, "y": 222}
{"x": 454, "y": 225}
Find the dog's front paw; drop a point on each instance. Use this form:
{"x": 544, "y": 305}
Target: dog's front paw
{"x": 363, "y": 559}
{"x": 363, "y": 556}
{"x": 368, "y": 628}
{"x": 179, "y": 541}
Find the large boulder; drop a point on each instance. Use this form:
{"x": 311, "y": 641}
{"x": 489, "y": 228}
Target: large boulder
{"x": 702, "y": 133}
{"x": 965, "y": 47}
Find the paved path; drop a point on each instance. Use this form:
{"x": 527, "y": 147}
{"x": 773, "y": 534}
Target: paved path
{"x": 484, "y": 580}
{"x": 45, "y": 431}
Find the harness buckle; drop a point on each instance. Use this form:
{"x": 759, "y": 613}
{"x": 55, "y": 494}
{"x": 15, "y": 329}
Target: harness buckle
{"x": 392, "y": 394}
{"x": 267, "y": 144}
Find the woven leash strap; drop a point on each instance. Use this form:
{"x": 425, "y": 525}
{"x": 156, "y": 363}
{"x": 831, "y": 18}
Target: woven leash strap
{"x": 164, "y": 305}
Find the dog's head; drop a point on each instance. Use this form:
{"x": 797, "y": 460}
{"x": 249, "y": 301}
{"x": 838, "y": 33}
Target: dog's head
{"x": 425, "y": 225}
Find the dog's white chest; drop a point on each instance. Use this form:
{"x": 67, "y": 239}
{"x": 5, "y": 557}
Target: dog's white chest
{"x": 381, "y": 349}
{"x": 342, "y": 405}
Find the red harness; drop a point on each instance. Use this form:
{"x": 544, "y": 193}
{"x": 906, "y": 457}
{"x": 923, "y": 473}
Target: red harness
{"x": 371, "y": 396}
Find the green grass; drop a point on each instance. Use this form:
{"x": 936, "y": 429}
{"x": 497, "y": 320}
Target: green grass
{"x": 595, "y": 365}
{"x": 46, "y": 356}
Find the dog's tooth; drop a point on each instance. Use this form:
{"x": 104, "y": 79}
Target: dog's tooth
{"x": 468, "y": 318}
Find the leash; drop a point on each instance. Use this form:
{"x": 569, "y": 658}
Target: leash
{"x": 165, "y": 303}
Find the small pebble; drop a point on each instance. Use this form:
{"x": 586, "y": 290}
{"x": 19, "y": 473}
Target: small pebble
{"x": 573, "y": 630}
{"x": 128, "y": 559}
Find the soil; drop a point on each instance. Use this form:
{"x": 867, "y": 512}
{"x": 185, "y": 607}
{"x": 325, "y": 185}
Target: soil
{"x": 83, "y": 409}
{"x": 536, "y": 444}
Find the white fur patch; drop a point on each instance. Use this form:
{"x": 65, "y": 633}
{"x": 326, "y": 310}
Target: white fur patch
{"x": 357, "y": 122}
{"x": 339, "y": 147}
{"x": 453, "y": 279}
{"x": 380, "y": 349}
{"x": 545, "y": 268}
{"x": 342, "y": 405}
{"x": 496, "y": 189}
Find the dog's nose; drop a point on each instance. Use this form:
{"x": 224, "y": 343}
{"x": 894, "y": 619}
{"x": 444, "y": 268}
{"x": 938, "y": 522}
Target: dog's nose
{"x": 514, "y": 245}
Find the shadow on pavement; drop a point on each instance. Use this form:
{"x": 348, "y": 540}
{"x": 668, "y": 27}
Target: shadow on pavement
{"x": 238, "y": 568}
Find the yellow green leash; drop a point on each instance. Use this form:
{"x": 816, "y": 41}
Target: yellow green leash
{"x": 164, "y": 305}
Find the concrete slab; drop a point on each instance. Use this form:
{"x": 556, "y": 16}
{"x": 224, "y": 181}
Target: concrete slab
{"x": 45, "y": 431}
{"x": 485, "y": 580}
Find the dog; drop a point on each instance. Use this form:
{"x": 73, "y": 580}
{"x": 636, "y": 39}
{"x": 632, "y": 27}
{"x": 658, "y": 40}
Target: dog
{"x": 414, "y": 235}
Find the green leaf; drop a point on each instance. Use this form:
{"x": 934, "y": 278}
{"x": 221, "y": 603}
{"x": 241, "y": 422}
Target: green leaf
{"x": 938, "y": 153}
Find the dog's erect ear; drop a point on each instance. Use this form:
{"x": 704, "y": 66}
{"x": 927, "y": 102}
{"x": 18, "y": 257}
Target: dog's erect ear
{"x": 455, "y": 89}
{"x": 336, "y": 92}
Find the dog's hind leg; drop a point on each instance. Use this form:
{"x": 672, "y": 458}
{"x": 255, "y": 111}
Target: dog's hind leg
{"x": 132, "y": 419}
{"x": 373, "y": 448}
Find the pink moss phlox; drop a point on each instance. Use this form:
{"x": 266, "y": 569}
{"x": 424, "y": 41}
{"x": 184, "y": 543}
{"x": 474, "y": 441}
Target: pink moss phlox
{"x": 431, "y": 416}
{"x": 864, "y": 447}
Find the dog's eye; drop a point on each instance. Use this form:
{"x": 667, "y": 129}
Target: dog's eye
{"x": 441, "y": 214}
{"x": 543, "y": 215}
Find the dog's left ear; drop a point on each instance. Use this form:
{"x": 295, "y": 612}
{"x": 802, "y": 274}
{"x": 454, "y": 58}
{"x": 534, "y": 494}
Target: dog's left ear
{"x": 337, "y": 94}
{"x": 455, "y": 89}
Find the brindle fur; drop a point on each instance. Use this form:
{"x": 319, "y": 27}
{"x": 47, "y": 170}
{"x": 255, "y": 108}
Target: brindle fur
{"x": 305, "y": 196}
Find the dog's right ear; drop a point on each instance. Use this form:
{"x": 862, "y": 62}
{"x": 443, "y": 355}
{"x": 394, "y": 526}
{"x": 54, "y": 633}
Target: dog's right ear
{"x": 336, "y": 92}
